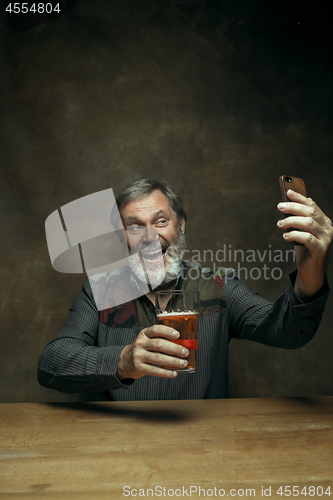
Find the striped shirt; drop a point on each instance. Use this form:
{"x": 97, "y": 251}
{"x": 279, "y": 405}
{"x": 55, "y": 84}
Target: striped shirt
{"x": 84, "y": 355}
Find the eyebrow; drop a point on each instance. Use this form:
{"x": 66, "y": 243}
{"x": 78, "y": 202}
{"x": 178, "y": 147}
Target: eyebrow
{"x": 135, "y": 218}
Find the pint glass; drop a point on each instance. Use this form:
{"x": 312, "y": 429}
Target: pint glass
{"x": 181, "y": 313}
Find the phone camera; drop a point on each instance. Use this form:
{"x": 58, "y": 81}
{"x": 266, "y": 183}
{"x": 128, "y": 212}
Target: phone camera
{"x": 288, "y": 179}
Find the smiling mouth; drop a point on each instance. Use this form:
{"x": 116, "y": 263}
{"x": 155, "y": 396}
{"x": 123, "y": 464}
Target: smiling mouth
{"x": 154, "y": 257}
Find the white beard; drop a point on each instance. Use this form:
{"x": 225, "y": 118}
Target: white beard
{"x": 168, "y": 270}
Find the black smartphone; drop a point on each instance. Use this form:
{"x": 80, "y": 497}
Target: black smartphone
{"x": 296, "y": 184}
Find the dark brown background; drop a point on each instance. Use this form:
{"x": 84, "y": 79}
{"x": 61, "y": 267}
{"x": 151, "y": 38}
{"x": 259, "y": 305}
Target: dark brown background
{"x": 220, "y": 98}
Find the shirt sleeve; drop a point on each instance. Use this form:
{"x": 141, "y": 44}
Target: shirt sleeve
{"x": 72, "y": 362}
{"x": 286, "y": 323}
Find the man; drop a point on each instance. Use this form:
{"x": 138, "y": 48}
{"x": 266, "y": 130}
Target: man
{"x": 113, "y": 350}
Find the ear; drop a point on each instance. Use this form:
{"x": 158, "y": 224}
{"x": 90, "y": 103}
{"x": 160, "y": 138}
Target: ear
{"x": 182, "y": 226}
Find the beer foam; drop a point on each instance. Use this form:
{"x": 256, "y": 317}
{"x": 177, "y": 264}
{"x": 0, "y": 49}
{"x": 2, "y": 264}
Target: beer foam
{"x": 175, "y": 313}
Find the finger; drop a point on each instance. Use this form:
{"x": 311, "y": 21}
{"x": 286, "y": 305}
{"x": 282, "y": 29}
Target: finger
{"x": 314, "y": 211}
{"x": 288, "y": 207}
{"x": 163, "y": 360}
{"x": 161, "y": 331}
{"x": 307, "y": 224}
{"x": 317, "y": 223}
{"x": 138, "y": 362}
{"x": 167, "y": 347}
{"x": 156, "y": 371}
{"x": 307, "y": 239}
{"x": 297, "y": 201}
{"x": 298, "y": 197}
{"x": 305, "y": 207}
{"x": 316, "y": 246}
{"x": 155, "y": 363}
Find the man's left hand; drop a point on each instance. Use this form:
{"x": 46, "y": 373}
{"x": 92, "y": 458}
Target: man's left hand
{"x": 316, "y": 236}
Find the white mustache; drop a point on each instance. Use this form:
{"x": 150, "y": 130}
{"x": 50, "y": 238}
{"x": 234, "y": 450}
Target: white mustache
{"x": 158, "y": 247}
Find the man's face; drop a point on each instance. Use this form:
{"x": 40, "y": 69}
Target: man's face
{"x": 148, "y": 220}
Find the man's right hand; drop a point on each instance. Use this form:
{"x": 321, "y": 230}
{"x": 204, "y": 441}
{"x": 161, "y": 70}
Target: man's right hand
{"x": 152, "y": 347}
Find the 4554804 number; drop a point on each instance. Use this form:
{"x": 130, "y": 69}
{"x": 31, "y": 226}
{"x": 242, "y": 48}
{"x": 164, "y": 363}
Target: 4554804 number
{"x": 311, "y": 491}
{"x": 35, "y": 8}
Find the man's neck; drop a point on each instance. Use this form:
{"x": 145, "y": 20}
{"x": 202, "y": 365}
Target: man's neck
{"x": 164, "y": 287}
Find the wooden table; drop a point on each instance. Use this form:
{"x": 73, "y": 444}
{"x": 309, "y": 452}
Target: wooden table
{"x": 94, "y": 450}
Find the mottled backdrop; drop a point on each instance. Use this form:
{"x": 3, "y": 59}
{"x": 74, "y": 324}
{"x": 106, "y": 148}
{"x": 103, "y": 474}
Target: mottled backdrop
{"x": 218, "y": 97}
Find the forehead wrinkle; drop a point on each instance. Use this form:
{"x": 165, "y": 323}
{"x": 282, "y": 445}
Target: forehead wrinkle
{"x": 159, "y": 212}
{"x": 137, "y": 218}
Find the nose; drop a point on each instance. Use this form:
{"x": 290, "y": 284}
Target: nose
{"x": 144, "y": 237}
{"x": 149, "y": 235}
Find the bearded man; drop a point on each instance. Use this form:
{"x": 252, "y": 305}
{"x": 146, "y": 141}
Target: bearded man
{"x": 121, "y": 351}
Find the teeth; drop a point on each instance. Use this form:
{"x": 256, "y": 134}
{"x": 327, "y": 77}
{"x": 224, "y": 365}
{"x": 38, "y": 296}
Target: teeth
{"x": 152, "y": 256}
{"x": 154, "y": 251}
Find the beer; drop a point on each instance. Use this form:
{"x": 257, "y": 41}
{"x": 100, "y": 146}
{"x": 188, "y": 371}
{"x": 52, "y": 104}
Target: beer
{"x": 186, "y": 323}
{"x": 181, "y": 313}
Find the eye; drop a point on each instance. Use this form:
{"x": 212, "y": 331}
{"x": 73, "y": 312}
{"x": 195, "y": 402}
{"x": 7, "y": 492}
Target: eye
{"x": 135, "y": 229}
{"x": 161, "y": 222}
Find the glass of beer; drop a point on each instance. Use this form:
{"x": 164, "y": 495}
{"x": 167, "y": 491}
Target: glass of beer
{"x": 181, "y": 313}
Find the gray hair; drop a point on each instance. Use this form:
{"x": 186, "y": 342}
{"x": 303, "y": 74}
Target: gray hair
{"x": 144, "y": 187}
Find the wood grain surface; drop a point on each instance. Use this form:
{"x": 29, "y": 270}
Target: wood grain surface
{"x": 94, "y": 450}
